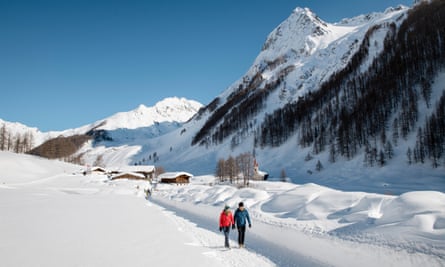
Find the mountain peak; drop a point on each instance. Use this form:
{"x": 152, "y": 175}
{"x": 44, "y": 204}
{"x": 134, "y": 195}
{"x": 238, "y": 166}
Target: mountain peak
{"x": 306, "y": 13}
{"x": 297, "y": 32}
{"x": 171, "y": 109}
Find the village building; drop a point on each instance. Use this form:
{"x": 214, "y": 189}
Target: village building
{"x": 148, "y": 171}
{"x": 175, "y": 177}
{"x": 257, "y": 173}
{"x": 98, "y": 170}
{"x": 129, "y": 175}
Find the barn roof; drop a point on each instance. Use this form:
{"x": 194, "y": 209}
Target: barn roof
{"x": 98, "y": 169}
{"x": 137, "y": 168}
{"x": 167, "y": 175}
{"x": 128, "y": 174}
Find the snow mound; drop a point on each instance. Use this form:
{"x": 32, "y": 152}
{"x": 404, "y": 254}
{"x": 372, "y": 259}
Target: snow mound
{"x": 417, "y": 214}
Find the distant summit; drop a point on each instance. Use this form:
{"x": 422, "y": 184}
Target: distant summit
{"x": 164, "y": 116}
{"x": 172, "y": 109}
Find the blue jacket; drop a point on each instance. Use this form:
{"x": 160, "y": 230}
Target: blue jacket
{"x": 241, "y": 216}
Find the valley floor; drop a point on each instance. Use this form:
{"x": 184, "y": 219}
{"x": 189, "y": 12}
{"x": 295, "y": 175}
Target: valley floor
{"x": 63, "y": 222}
{"x": 52, "y": 215}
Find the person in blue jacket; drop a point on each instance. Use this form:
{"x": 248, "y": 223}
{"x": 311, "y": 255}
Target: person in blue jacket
{"x": 241, "y": 220}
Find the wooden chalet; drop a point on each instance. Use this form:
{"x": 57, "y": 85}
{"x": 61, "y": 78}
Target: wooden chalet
{"x": 175, "y": 178}
{"x": 147, "y": 171}
{"x": 129, "y": 175}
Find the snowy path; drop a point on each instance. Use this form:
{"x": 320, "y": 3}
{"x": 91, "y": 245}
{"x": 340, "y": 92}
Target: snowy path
{"x": 290, "y": 247}
{"x": 279, "y": 254}
{"x": 212, "y": 243}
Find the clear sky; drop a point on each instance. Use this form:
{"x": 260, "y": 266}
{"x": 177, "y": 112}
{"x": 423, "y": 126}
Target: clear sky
{"x": 67, "y": 63}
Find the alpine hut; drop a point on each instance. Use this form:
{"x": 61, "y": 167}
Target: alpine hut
{"x": 175, "y": 177}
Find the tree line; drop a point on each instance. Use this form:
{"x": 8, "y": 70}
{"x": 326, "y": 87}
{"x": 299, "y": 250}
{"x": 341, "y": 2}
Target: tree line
{"x": 234, "y": 116}
{"x": 62, "y": 147}
{"x": 371, "y": 111}
{"x": 234, "y": 169}
{"x": 18, "y": 143}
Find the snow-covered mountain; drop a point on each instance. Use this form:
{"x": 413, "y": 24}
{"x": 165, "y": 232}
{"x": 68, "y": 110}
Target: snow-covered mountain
{"x": 169, "y": 110}
{"x": 330, "y": 103}
{"x": 348, "y": 103}
{"x": 166, "y": 115}
{"x": 300, "y": 55}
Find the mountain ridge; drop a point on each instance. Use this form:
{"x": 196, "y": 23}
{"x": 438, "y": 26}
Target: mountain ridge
{"x": 165, "y": 115}
{"x": 294, "y": 108}
{"x": 294, "y": 112}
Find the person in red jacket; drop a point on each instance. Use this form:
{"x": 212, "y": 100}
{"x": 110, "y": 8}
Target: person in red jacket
{"x": 225, "y": 222}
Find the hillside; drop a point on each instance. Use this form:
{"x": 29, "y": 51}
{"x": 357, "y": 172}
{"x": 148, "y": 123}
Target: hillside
{"x": 119, "y": 129}
{"x": 352, "y": 102}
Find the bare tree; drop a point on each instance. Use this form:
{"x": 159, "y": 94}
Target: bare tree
{"x": 220, "y": 169}
{"x": 245, "y": 163}
{"x": 3, "y": 140}
{"x": 159, "y": 170}
{"x": 231, "y": 168}
{"x": 9, "y": 142}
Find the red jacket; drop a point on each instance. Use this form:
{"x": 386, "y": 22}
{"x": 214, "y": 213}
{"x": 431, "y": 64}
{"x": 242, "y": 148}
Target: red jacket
{"x": 226, "y": 219}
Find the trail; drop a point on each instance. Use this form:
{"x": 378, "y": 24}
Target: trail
{"x": 286, "y": 246}
{"x": 280, "y": 254}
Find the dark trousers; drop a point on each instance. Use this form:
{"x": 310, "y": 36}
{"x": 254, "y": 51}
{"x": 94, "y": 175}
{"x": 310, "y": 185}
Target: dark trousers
{"x": 241, "y": 234}
{"x": 226, "y": 231}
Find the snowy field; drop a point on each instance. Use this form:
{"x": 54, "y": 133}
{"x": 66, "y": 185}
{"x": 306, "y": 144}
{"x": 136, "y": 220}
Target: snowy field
{"x": 52, "y": 215}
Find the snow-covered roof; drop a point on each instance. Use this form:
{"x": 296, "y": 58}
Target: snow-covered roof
{"x": 98, "y": 169}
{"x": 132, "y": 174}
{"x": 137, "y": 168}
{"x": 173, "y": 174}
{"x": 262, "y": 173}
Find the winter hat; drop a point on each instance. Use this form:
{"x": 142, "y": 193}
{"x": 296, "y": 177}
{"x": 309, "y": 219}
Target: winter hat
{"x": 241, "y": 204}
{"x": 226, "y": 207}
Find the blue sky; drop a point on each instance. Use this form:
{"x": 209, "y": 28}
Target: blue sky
{"x": 64, "y": 64}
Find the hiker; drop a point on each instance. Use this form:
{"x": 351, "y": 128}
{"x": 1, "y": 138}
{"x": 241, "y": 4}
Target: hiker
{"x": 241, "y": 219}
{"x": 225, "y": 221}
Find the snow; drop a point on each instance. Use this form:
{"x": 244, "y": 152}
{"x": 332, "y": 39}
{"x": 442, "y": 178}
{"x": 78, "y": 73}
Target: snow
{"x": 173, "y": 174}
{"x": 55, "y": 216}
{"x": 172, "y": 109}
{"x": 142, "y": 122}
{"x": 52, "y": 215}
{"x": 345, "y": 215}
{"x": 137, "y": 168}
{"x": 163, "y": 129}
{"x": 314, "y": 50}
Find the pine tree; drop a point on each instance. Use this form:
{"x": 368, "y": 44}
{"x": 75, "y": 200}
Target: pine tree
{"x": 409, "y": 154}
{"x": 319, "y": 166}
{"x": 283, "y": 175}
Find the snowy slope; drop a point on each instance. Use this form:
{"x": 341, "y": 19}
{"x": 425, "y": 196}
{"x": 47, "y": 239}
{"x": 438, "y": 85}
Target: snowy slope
{"x": 17, "y": 128}
{"x": 56, "y": 216}
{"x": 303, "y": 52}
{"x": 299, "y": 55}
{"x": 314, "y": 49}
{"x": 172, "y": 111}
